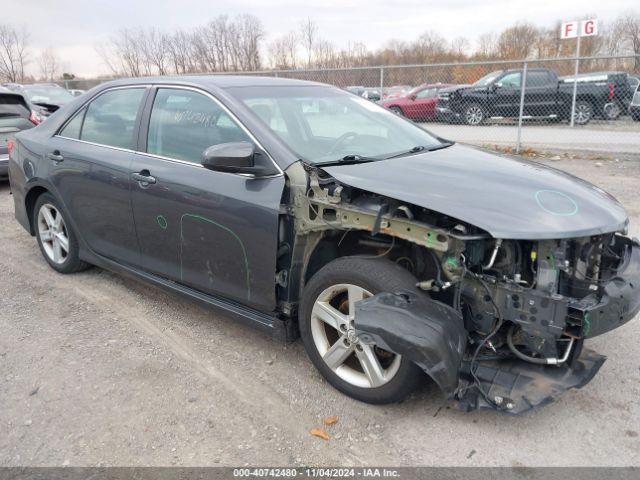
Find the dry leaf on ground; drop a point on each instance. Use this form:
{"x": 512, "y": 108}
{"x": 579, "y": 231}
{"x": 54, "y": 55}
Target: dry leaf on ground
{"x": 318, "y": 432}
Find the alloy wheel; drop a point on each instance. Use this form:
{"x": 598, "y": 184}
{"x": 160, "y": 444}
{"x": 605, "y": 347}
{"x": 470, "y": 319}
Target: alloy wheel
{"x": 474, "y": 115}
{"x": 53, "y": 233}
{"x": 334, "y": 336}
{"x": 582, "y": 113}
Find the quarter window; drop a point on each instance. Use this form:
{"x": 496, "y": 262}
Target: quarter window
{"x": 111, "y": 118}
{"x": 184, "y": 124}
{"x": 72, "y": 129}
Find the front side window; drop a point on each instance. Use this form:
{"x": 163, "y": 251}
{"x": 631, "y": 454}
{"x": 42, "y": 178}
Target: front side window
{"x": 324, "y": 124}
{"x": 511, "y": 80}
{"x": 426, "y": 93}
{"x": 111, "y": 118}
{"x": 184, "y": 124}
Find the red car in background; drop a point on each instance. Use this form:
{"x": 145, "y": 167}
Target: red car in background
{"x": 417, "y": 104}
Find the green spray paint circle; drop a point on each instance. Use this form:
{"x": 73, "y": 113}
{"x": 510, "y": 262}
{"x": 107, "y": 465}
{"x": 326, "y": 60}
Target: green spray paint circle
{"x": 162, "y": 222}
{"x": 546, "y": 197}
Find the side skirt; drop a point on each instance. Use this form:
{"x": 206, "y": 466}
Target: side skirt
{"x": 276, "y": 327}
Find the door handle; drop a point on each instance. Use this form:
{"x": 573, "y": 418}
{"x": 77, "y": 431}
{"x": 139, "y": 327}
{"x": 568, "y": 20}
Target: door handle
{"x": 56, "y": 156}
{"x": 144, "y": 178}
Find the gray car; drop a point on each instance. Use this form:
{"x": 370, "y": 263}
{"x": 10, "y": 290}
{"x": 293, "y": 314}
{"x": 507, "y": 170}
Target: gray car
{"x": 304, "y": 210}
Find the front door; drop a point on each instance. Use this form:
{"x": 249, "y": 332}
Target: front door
{"x": 90, "y": 161}
{"x": 215, "y": 232}
{"x": 506, "y": 98}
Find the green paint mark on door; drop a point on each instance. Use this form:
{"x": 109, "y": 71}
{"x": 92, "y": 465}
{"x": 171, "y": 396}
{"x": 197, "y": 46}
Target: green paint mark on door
{"x": 162, "y": 222}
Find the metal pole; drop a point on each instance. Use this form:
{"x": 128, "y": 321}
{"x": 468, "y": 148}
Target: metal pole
{"x": 523, "y": 85}
{"x": 381, "y": 81}
{"x": 575, "y": 82}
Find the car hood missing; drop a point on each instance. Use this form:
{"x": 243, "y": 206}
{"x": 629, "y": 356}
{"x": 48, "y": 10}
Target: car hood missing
{"x": 507, "y": 197}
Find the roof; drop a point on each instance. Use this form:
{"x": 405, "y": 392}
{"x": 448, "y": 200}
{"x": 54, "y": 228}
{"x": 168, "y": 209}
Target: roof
{"x": 219, "y": 81}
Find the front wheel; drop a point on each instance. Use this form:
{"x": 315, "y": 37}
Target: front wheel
{"x": 365, "y": 372}
{"x": 583, "y": 112}
{"x": 474, "y": 114}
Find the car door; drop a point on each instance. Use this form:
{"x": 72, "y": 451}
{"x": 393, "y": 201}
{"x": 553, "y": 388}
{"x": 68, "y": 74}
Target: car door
{"x": 425, "y": 103}
{"x": 90, "y": 159}
{"x": 215, "y": 232}
{"x": 505, "y": 101}
{"x": 539, "y": 94}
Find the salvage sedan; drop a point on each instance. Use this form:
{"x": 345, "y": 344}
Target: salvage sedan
{"x": 307, "y": 211}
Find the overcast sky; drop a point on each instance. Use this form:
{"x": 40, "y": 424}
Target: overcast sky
{"x": 74, "y": 27}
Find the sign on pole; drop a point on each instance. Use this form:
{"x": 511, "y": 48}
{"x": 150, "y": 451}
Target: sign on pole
{"x": 578, "y": 29}
{"x": 575, "y": 28}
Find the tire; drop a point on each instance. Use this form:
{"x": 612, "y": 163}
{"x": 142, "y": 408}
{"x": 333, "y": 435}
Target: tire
{"x": 635, "y": 116}
{"x": 474, "y": 114}
{"x": 583, "y": 112}
{"x": 373, "y": 276}
{"x": 397, "y": 110}
{"x": 53, "y": 232}
{"x": 611, "y": 111}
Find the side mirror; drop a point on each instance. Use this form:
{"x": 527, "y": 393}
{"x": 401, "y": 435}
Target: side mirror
{"x": 497, "y": 85}
{"x": 413, "y": 96}
{"x": 233, "y": 157}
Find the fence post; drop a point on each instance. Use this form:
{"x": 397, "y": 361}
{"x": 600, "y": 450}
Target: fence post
{"x": 523, "y": 85}
{"x": 381, "y": 81}
{"x": 575, "y": 82}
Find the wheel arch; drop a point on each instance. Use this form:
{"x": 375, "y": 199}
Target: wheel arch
{"x": 29, "y": 203}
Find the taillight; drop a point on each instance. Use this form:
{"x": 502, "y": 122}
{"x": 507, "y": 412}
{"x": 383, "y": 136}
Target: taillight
{"x": 10, "y": 146}
{"x": 35, "y": 118}
{"x": 611, "y": 90}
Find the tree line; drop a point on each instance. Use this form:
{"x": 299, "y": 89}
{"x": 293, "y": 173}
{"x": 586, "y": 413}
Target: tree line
{"x": 240, "y": 43}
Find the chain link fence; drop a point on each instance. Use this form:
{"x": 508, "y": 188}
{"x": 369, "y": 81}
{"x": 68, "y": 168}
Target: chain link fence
{"x": 539, "y": 105}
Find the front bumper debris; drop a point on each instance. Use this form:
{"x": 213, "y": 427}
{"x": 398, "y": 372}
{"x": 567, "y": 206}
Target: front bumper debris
{"x": 515, "y": 387}
{"x": 428, "y": 332}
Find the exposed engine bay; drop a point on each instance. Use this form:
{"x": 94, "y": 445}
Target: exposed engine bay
{"x": 498, "y": 323}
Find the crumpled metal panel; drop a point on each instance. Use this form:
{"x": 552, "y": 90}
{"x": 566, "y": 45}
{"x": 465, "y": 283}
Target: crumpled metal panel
{"x": 426, "y": 331}
{"x": 515, "y": 387}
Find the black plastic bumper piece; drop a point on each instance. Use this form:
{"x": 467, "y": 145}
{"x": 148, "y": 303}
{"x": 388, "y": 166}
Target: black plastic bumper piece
{"x": 428, "y": 332}
{"x": 515, "y": 387}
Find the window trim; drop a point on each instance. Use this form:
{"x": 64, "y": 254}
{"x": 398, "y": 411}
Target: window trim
{"x": 144, "y": 115}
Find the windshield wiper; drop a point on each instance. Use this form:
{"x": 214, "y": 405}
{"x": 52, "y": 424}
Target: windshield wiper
{"x": 421, "y": 148}
{"x": 347, "y": 160}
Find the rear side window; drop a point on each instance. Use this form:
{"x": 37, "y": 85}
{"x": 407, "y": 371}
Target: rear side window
{"x": 538, "y": 79}
{"x": 111, "y": 118}
{"x": 13, "y": 106}
{"x": 184, "y": 124}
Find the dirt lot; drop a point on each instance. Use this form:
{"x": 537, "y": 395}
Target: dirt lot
{"x": 96, "y": 369}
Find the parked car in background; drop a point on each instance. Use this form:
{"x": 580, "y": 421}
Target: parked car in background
{"x": 48, "y": 96}
{"x": 395, "y": 91}
{"x": 15, "y": 116}
{"x": 418, "y": 103}
{"x": 305, "y": 210}
{"x": 611, "y": 91}
{"x": 497, "y": 96}
{"x": 76, "y": 92}
{"x": 634, "y": 107}
{"x": 372, "y": 94}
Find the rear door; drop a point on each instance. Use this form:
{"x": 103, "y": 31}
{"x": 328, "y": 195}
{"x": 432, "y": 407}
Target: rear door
{"x": 540, "y": 94}
{"x": 90, "y": 160}
{"x": 215, "y": 232}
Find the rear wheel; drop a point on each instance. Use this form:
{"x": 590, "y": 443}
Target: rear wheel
{"x": 56, "y": 239}
{"x": 364, "y": 372}
{"x": 611, "y": 111}
{"x": 474, "y": 114}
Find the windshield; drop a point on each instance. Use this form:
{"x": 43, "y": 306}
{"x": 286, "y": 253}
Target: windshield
{"x": 487, "y": 79}
{"x": 323, "y": 124}
{"x": 47, "y": 94}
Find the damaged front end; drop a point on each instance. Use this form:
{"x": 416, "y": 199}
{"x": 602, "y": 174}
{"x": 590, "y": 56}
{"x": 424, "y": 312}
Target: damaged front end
{"x": 496, "y": 323}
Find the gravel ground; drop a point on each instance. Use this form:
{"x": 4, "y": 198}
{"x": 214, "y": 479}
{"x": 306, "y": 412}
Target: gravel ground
{"x": 96, "y": 369}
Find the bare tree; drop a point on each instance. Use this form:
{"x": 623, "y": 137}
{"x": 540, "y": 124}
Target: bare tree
{"x": 309, "y": 36}
{"x": 49, "y": 64}
{"x": 517, "y": 41}
{"x": 13, "y": 53}
{"x": 283, "y": 51}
